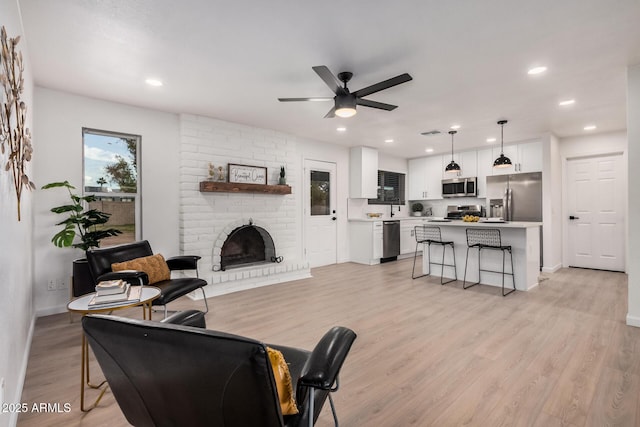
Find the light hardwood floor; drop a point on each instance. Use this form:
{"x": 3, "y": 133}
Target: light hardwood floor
{"x": 426, "y": 354}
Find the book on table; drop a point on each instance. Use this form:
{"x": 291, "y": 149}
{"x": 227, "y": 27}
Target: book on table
{"x": 121, "y": 296}
{"x": 109, "y": 287}
{"x": 132, "y": 296}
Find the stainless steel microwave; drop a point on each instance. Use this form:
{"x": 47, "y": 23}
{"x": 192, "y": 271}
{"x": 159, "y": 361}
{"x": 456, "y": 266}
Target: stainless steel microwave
{"x": 460, "y": 187}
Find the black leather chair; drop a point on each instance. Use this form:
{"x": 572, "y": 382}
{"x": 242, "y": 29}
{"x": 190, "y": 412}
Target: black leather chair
{"x": 100, "y": 260}
{"x": 173, "y": 375}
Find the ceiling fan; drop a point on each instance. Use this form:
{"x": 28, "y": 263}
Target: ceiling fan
{"x": 346, "y": 101}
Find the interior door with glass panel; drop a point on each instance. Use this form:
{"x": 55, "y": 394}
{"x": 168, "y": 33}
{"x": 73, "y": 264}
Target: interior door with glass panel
{"x": 320, "y": 213}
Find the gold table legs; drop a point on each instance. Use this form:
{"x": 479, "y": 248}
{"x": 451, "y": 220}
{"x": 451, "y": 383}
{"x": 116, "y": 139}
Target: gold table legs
{"x": 85, "y": 379}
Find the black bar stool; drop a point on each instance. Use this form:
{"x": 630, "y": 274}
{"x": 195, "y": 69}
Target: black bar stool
{"x": 487, "y": 238}
{"x": 431, "y": 236}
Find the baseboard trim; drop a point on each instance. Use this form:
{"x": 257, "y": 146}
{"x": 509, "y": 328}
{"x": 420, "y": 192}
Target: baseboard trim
{"x": 552, "y": 269}
{"x": 633, "y": 321}
{"x": 13, "y": 420}
{"x": 51, "y": 310}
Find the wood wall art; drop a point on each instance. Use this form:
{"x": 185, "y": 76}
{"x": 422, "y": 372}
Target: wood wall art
{"x": 15, "y": 137}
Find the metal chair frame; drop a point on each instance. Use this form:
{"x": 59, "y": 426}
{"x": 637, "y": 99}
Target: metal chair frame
{"x": 431, "y": 236}
{"x": 488, "y": 239}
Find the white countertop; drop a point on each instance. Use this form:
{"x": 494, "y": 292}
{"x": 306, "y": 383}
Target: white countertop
{"x": 508, "y": 224}
{"x": 386, "y": 218}
{"x": 454, "y": 223}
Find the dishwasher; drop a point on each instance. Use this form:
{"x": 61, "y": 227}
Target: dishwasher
{"x": 390, "y": 241}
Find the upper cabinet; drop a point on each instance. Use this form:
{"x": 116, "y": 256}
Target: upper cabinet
{"x": 468, "y": 162}
{"x": 525, "y": 157}
{"x": 485, "y": 169}
{"x": 426, "y": 173}
{"x": 363, "y": 173}
{"x": 425, "y": 178}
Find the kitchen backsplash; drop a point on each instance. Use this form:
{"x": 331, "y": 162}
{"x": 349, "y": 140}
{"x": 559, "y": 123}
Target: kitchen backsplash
{"x": 439, "y": 207}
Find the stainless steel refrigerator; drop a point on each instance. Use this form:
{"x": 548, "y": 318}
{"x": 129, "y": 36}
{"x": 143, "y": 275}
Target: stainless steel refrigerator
{"x": 515, "y": 197}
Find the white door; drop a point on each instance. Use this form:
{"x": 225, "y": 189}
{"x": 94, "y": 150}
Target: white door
{"x": 596, "y": 213}
{"x": 320, "y": 213}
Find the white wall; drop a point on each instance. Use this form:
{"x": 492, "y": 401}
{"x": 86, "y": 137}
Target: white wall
{"x": 633, "y": 242}
{"x": 16, "y": 249}
{"x": 59, "y": 119}
{"x": 551, "y": 204}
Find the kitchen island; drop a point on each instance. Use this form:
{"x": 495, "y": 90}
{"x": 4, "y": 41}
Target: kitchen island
{"x": 524, "y": 238}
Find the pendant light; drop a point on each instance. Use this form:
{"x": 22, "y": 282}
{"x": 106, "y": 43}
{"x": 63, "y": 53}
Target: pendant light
{"x": 502, "y": 161}
{"x": 452, "y": 167}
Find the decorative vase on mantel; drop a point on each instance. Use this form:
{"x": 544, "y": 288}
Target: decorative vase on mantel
{"x": 282, "y": 180}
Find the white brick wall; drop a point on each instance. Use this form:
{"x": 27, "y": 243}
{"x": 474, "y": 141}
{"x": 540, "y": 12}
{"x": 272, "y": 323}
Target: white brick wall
{"x": 205, "y": 216}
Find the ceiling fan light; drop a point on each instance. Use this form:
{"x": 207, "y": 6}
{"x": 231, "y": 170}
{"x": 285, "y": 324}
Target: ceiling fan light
{"x": 346, "y": 112}
{"x": 345, "y": 106}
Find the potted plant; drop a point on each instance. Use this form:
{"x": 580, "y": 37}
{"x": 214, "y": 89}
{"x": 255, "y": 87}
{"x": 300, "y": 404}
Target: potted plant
{"x": 417, "y": 209}
{"x": 82, "y": 222}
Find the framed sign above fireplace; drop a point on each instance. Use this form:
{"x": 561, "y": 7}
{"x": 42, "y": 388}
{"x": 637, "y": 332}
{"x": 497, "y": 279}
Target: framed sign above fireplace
{"x": 244, "y": 174}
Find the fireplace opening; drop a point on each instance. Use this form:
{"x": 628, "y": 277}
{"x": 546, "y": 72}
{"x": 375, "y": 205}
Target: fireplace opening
{"x": 247, "y": 245}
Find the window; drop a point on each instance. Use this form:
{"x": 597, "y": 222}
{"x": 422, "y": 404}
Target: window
{"x": 320, "y": 192}
{"x": 390, "y": 188}
{"x": 111, "y": 174}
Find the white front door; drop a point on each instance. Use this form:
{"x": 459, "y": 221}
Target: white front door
{"x": 596, "y": 213}
{"x": 320, "y": 212}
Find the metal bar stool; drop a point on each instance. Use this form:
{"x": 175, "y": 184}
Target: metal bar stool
{"x": 488, "y": 239}
{"x": 431, "y": 236}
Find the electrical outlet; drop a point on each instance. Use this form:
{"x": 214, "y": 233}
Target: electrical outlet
{"x": 51, "y": 285}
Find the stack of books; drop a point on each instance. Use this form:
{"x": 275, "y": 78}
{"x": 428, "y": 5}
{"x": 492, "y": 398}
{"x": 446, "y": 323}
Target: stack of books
{"x": 113, "y": 293}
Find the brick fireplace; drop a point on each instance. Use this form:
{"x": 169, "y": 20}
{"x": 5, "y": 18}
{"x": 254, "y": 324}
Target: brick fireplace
{"x": 207, "y": 219}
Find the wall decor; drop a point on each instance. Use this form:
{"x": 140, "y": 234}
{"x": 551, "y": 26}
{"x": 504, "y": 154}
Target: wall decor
{"x": 14, "y": 135}
{"x": 244, "y": 174}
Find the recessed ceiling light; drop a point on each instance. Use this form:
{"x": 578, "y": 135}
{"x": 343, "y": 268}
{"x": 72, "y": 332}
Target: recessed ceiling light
{"x": 428, "y": 150}
{"x": 455, "y": 127}
{"x": 590, "y": 127}
{"x": 567, "y": 102}
{"x": 388, "y": 141}
{"x": 341, "y": 129}
{"x": 491, "y": 140}
{"x": 537, "y": 70}
{"x": 153, "y": 82}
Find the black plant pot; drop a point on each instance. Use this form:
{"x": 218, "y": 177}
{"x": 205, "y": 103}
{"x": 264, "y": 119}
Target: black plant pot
{"x": 82, "y": 281}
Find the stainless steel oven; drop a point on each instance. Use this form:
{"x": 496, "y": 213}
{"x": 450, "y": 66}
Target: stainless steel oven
{"x": 460, "y": 187}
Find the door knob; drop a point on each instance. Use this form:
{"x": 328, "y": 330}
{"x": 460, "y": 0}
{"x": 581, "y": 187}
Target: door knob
{"x": 333, "y": 218}
{"x": 571, "y": 217}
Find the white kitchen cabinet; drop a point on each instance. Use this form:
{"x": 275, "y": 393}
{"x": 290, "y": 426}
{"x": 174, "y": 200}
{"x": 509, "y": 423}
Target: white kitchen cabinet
{"x": 485, "y": 168}
{"x": 468, "y": 162}
{"x": 363, "y": 173}
{"x": 365, "y": 241}
{"x": 417, "y": 176}
{"x": 529, "y": 157}
{"x": 407, "y": 235}
{"x": 525, "y": 157}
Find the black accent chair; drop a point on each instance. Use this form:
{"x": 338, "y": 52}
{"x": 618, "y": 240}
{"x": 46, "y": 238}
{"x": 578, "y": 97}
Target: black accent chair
{"x": 172, "y": 375}
{"x": 100, "y": 261}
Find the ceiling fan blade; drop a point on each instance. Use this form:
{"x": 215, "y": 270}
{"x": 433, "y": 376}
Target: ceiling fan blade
{"x": 375, "y": 104}
{"x": 328, "y": 77}
{"x": 315, "y": 98}
{"x": 331, "y": 113}
{"x": 394, "y": 81}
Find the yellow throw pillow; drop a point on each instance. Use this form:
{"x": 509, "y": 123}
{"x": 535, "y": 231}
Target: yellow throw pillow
{"x": 154, "y": 265}
{"x": 283, "y": 382}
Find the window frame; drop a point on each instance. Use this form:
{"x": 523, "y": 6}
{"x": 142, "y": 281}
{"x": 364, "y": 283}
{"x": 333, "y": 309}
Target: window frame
{"x": 400, "y": 190}
{"x": 137, "y": 196}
